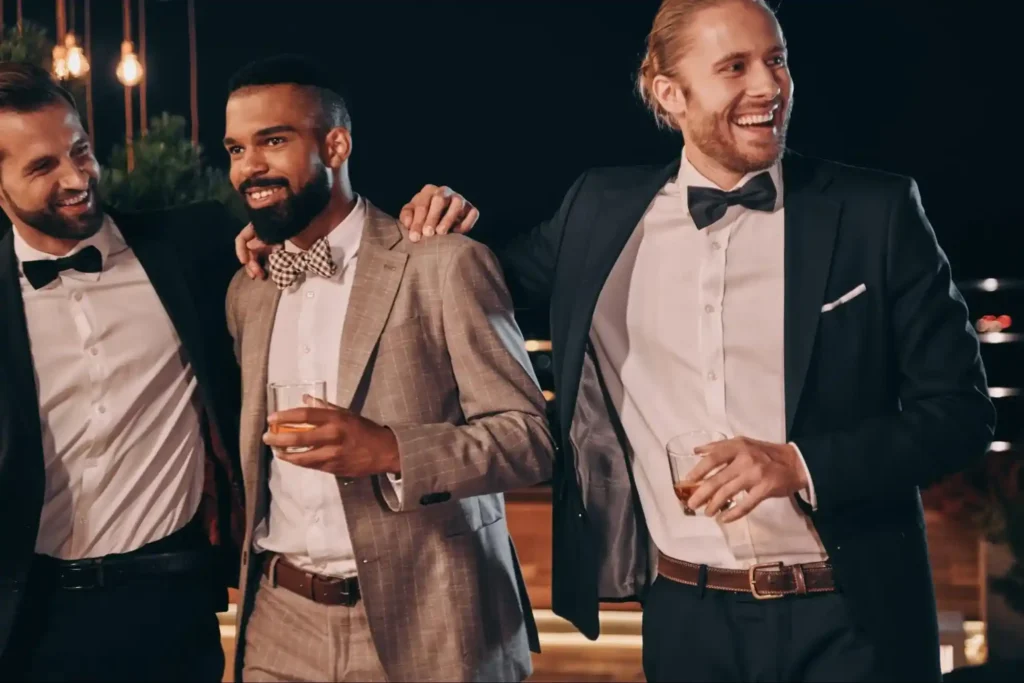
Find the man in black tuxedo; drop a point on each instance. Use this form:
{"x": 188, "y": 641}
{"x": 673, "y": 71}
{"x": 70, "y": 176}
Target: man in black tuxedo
{"x": 120, "y": 497}
{"x": 792, "y": 323}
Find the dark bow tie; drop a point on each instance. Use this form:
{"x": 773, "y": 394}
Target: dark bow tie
{"x": 708, "y": 204}
{"x": 42, "y": 273}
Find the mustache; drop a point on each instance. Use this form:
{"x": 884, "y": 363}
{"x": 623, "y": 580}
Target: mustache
{"x": 253, "y": 183}
{"x": 748, "y": 107}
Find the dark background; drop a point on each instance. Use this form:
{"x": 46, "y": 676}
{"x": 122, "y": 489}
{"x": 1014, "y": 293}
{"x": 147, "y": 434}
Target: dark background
{"x": 508, "y": 101}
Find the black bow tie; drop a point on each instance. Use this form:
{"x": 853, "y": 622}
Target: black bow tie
{"x": 708, "y": 204}
{"x": 42, "y": 273}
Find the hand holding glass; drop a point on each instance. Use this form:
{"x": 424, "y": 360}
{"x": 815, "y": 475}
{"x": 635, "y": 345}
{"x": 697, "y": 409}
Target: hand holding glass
{"x": 682, "y": 460}
{"x": 284, "y": 396}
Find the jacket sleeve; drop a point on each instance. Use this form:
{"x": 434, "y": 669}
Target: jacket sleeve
{"x": 505, "y": 442}
{"x": 530, "y": 260}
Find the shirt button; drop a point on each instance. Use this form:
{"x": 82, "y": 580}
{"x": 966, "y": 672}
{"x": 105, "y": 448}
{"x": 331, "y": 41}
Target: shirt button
{"x": 716, "y": 246}
{"x": 712, "y": 376}
{"x": 101, "y": 409}
{"x": 94, "y": 351}
{"x": 310, "y": 295}
{"x": 306, "y": 349}
{"x": 709, "y": 309}
{"x": 77, "y": 296}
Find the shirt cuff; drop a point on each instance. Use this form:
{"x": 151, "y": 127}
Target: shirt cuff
{"x": 806, "y": 494}
{"x": 396, "y": 484}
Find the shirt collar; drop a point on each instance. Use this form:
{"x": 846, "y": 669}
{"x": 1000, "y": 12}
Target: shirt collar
{"x": 345, "y": 237}
{"x": 108, "y": 240}
{"x": 688, "y": 175}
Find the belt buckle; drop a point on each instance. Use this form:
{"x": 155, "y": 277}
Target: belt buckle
{"x": 95, "y": 568}
{"x": 752, "y": 580}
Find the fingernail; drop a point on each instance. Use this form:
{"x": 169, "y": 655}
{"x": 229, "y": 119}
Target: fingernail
{"x": 428, "y": 230}
{"x": 414, "y": 236}
{"x": 442, "y": 231}
{"x": 272, "y": 417}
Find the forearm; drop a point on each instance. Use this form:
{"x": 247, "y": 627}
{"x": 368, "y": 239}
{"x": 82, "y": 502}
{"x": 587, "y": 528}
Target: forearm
{"x": 441, "y": 462}
{"x": 529, "y": 275}
{"x": 885, "y": 456}
{"x": 505, "y": 442}
{"x": 231, "y": 310}
{"x": 530, "y": 260}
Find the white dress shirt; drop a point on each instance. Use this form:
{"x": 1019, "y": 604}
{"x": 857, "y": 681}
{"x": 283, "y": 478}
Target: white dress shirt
{"x": 118, "y": 406}
{"x": 306, "y": 520}
{"x": 688, "y": 332}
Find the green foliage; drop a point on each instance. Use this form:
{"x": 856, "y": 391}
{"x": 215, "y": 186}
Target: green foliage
{"x": 31, "y": 46}
{"x": 169, "y": 171}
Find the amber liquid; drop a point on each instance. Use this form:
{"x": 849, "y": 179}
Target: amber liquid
{"x": 291, "y": 427}
{"x": 685, "y": 489}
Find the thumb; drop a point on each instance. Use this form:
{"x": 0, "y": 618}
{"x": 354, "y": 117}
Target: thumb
{"x": 405, "y": 217}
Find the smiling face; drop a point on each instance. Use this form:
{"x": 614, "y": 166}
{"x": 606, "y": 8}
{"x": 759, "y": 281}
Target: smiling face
{"x": 280, "y": 158}
{"x": 730, "y": 91}
{"x": 48, "y": 173}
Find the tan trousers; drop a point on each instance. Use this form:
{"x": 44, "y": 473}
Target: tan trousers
{"x": 290, "y": 638}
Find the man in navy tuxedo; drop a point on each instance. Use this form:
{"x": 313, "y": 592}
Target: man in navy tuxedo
{"x": 797, "y": 313}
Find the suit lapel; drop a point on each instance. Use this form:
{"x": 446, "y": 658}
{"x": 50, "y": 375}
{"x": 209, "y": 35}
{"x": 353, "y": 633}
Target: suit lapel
{"x": 811, "y": 223}
{"x": 261, "y": 304}
{"x": 16, "y": 351}
{"x": 620, "y": 212}
{"x": 378, "y": 274}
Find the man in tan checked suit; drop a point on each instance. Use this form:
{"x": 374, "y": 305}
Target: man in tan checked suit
{"x": 380, "y": 552}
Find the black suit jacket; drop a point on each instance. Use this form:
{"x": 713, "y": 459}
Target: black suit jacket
{"x": 884, "y": 395}
{"x": 187, "y": 254}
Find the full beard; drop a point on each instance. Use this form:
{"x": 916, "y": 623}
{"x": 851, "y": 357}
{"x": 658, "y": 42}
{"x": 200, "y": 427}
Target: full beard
{"x": 290, "y": 216}
{"x": 711, "y": 136}
{"x": 52, "y": 223}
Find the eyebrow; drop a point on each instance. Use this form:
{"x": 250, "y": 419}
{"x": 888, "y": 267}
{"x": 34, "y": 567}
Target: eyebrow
{"x": 264, "y": 132}
{"x": 36, "y": 163}
{"x": 733, "y": 56}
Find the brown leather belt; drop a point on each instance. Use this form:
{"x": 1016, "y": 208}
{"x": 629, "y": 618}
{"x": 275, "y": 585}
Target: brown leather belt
{"x": 763, "y": 581}
{"x": 325, "y": 590}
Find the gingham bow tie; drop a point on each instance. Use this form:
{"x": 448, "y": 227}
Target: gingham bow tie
{"x": 288, "y": 267}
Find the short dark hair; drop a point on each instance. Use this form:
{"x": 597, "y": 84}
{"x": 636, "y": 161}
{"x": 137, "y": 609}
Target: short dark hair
{"x": 301, "y": 71}
{"x": 27, "y": 88}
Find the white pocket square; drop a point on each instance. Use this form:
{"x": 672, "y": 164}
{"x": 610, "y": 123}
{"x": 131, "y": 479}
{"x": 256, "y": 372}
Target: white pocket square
{"x": 852, "y": 294}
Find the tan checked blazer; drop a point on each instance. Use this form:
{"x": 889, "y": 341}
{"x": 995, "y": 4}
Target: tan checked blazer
{"x": 429, "y": 348}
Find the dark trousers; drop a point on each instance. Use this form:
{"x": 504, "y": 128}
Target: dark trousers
{"x": 695, "y": 635}
{"x": 159, "y": 628}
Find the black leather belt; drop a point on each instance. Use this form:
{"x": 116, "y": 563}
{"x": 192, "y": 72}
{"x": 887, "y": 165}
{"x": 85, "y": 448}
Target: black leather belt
{"x": 103, "y": 572}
